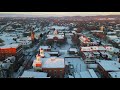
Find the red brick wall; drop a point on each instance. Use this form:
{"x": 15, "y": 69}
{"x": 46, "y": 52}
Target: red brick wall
{"x": 52, "y": 73}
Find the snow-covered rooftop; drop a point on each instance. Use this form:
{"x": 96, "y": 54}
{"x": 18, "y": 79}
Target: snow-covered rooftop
{"x": 52, "y": 36}
{"x": 92, "y": 73}
{"x": 85, "y": 74}
{"x": 32, "y": 74}
{"x": 114, "y": 74}
{"x": 59, "y": 27}
{"x": 112, "y": 37}
{"x": 53, "y": 62}
{"x": 45, "y": 47}
{"x": 88, "y": 74}
{"x": 73, "y": 49}
{"x": 10, "y": 46}
{"x": 109, "y": 65}
{"x": 78, "y": 63}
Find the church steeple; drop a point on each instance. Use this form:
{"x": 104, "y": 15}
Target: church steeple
{"x": 32, "y": 35}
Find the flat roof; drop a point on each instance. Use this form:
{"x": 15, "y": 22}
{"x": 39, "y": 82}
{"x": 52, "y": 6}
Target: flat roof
{"x": 92, "y": 73}
{"x": 109, "y": 65}
{"x": 85, "y": 74}
{"x": 28, "y": 74}
{"x": 115, "y": 74}
{"x": 73, "y": 49}
{"x": 45, "y": 47}
{"x": 53, "y": 62}
{"x": 10, "y": 46}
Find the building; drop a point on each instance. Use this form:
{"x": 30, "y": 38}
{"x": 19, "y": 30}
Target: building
{"x": 32, "y": 36}
{"x": 37, "y": 64}
{"x": 84, "y": 41}
{"x": 104, "y": 67}
{"x": 12, "y": 50}
{"x": 114, "y": 74}
{"x": 32, "y": 74}
{"x": 46, "y": 48}
{"x": 73, "y": 51}
{"x": 88, "y": 57}
{"x": 25, "y": 41}
{"x": 54, "y": 66}
{"x": 90, "y": 73}
{"x": 55, "y": 38}
{"x": 8, "y": 67}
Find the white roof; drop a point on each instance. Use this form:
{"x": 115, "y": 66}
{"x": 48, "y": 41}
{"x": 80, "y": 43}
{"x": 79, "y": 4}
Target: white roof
{"x": 53, "y": 52}
{"x": 73, "y": 49}
{"x": 96, "y": 53}
{"x": 112, "y": 37}
{"x": 111, "y": 32}
{"x": 77, "y": 75}
{"x": 53, "y": 62}
{"x": 88, "y": 54}
{"x": 86, "y": 49}
{"x": 109, "y": 65}
{"x": 59, "y": 27}
{"x": 52, "y": 36}
{"x": 74, "y": 28}
{"x": 28, "y": 74}
{"x": 92, "y": 73}
{"x": 70, "y": 76}
{"x": 45, "y": 47}
{"x": 85, "y": 74}
{"x": 10, "y": 46}
{"x": 92, "y": 65}
{"x": 117, "y": 40}
{"x": 115, "y": 74}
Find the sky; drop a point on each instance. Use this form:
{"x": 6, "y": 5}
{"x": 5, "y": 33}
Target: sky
{"x": 62, "y": 13}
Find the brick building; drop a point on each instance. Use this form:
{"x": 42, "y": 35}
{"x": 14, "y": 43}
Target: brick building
{"x": 12, "y": 50}
{"x": 104, "y": 67}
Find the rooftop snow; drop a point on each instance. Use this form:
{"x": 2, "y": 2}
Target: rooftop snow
{"x": 52, "y": 36}
{"x": 85, "y": 74}
{"x": 59, "y": 27}
{"x": 109, "y": 65}
{"x": 34, "y": 74}
{"x": 53, "y": 62}
{"x": 115, "y": 74}
{"x": 78, "y": 64}
{"x": 10, "y": 46}
{"x": 92, "y": 73}
{"x": 73, "y": 49}
{"x": 44, "y": 47}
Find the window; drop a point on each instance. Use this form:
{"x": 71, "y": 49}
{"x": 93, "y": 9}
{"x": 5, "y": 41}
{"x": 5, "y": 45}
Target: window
{"x": 61, "y": 74}
{"x": 55, "y": 73}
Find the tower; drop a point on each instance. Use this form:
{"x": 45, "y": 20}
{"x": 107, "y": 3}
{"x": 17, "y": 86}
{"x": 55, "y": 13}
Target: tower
{"x": 32, "y": 36}
{"x": 42, "y": 53}
{"x": 37, "y": 64}
{"x": 102, "y": 28}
